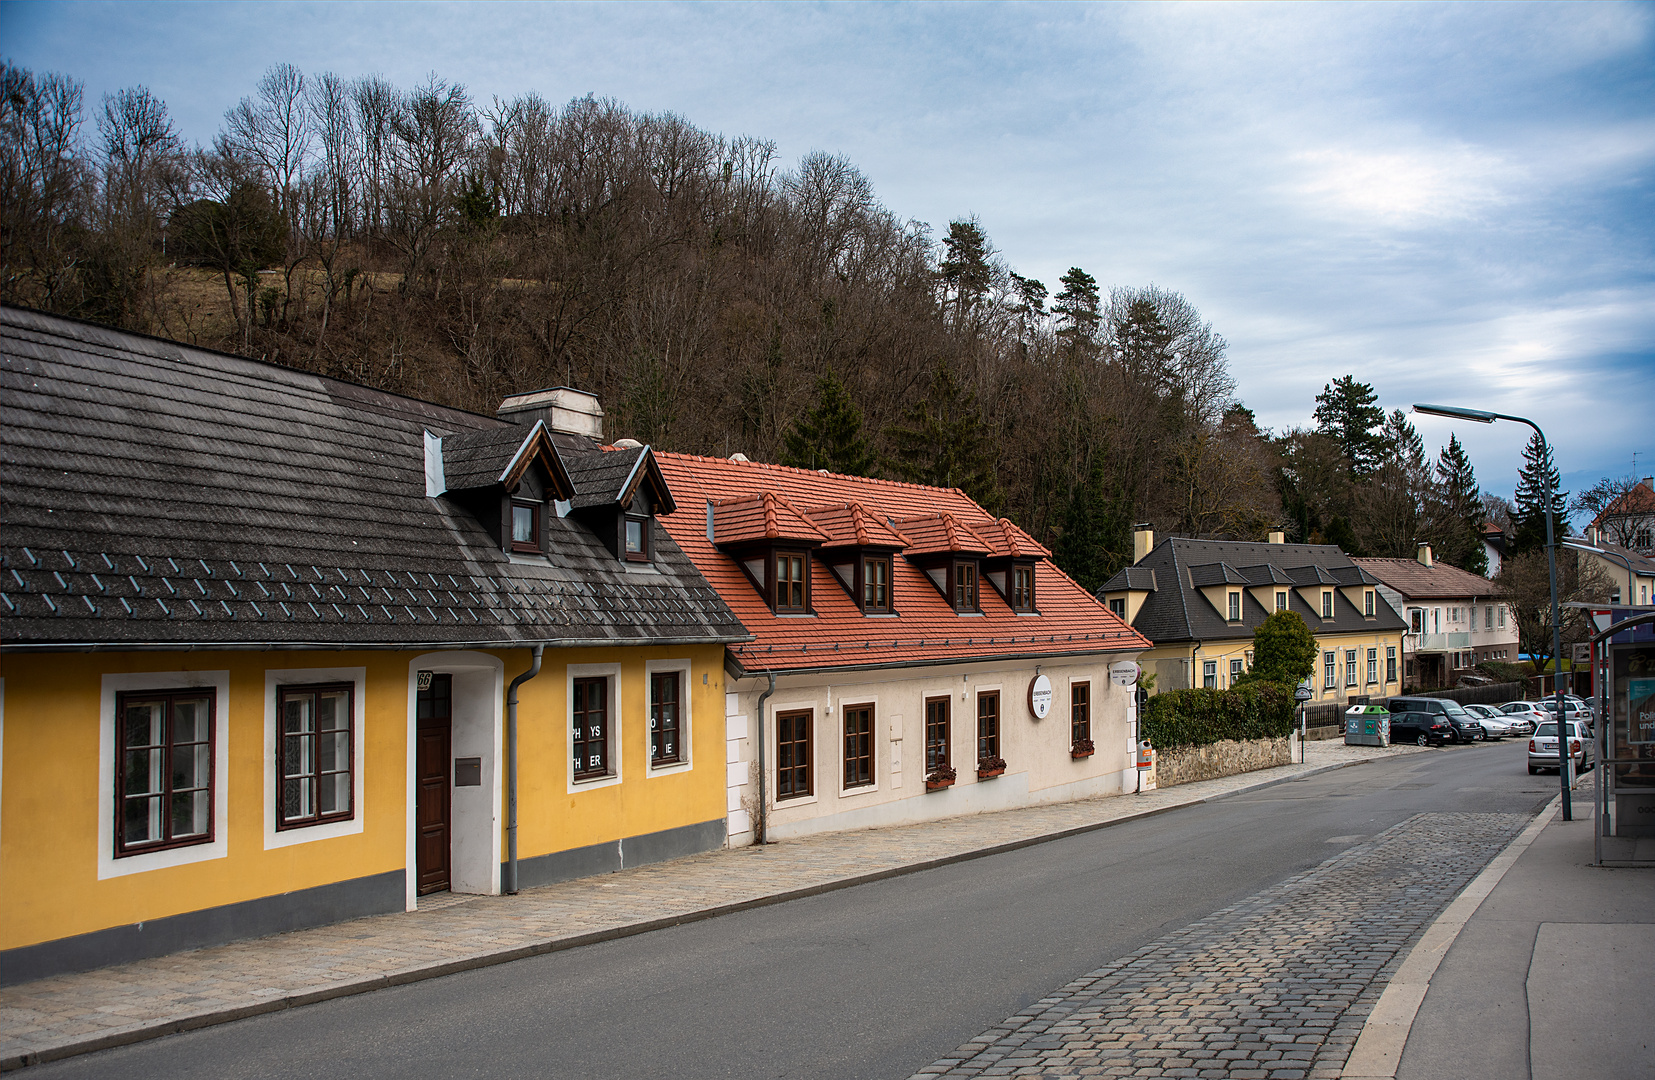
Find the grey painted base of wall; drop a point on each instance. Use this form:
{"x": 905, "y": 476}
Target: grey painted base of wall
{"x": 375, "y": 895}
{"x": 620, "y": 854}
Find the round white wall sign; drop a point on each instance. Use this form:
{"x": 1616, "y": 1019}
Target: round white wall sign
{"x": 1040, "y": 696}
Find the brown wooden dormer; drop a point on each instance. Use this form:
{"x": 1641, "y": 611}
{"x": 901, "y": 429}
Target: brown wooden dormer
{"x": 950, "y": 555}
{"x": 619, "y": 495}
{"x": 510, "y": 479}
{"x": 772, "y": 542}
{"x": 858, "y": 550}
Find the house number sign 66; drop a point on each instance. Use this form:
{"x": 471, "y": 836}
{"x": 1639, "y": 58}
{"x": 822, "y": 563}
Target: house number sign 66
{"x": 1040, "y": 696}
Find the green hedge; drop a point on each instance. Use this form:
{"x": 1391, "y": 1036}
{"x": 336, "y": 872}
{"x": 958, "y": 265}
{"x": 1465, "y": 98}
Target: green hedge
{"x": 1178, "y": 718}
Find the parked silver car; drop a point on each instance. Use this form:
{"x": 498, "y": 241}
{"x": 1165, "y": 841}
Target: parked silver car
{"x": 1524, "y": 713}
{"x": 1573, "y": 709}
{"x": 1496, "y": 725}
{"x": 1543, "y": 747}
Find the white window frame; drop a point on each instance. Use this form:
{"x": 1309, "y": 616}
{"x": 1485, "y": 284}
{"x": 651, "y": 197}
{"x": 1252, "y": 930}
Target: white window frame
{"x": 1373, "y": 666}
{"x": 1330, "y": 670}
{"x": 1327, "y": 603}
{"x": 274, "y": 680}
{"x": 616, "y": 726}
{"x": 1234, "y": 611}
{"x": 1350, "y": 668}
{"x": 1209, "y": 674}
{"x": 143, "y": 862}
{"x": 686, "y": 740}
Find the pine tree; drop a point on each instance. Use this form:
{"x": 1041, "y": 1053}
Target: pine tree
{"x": 1532, "y": 480}
{"x": 1346, "y": 411}
{"x": 1078, "y": 308}
{"x": 944, "y": 441}
{"x": 1097, "y": 533}
{"x": 1392, "y": 504}
{"x": 965, "y": 267}
{"x": 829, "y": 436}
{"x": 1457, "y": 511}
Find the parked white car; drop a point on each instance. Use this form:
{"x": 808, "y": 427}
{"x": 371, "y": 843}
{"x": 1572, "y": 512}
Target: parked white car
{"x": 1543, "y": 747}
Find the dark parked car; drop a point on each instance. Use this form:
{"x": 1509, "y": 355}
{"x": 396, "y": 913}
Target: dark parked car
{"x": 1425, "y": 729}
{"x": 1463, "y": 727}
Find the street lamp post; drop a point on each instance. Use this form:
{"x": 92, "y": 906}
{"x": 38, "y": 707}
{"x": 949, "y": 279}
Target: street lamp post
{"x": 1481, "y": 417}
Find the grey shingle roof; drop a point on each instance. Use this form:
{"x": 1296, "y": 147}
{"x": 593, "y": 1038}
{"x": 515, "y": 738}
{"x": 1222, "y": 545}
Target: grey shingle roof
{"x": 1130, "y": 577}
{"x": 599, "y": 476}
{"x": 1176, "y": 611}
{"x": 156, "y": 495}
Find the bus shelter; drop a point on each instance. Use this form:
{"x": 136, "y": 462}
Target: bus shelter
{"x": 1625, "y": 786}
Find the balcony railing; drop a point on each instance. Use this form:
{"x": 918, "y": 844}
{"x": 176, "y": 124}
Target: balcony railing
{"x": 1424, "y": 643}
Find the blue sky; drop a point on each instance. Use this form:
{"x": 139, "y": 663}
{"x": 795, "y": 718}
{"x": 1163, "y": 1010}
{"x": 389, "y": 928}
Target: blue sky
{"x": 1454, "y": 203}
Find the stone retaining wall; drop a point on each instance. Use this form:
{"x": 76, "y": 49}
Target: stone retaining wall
{"x": 1187, "y": 764}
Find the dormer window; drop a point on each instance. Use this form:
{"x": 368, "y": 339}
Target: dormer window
{"x": 876, "y": 584}
{"x": 1281, "y": 600}
{"x": 1367, "y": 603}
{"x": 792, "y": 582}
{"x": 637, "y": 538}
{"x": 1327, "y": 604}
{"x": 964, "y": 573}
{"x": 1235, "y": 607}
{"x": 525, "y": 526}
{"x": 1022, "y": 588}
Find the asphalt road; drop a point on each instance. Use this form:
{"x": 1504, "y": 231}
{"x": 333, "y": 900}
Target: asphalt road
{"x": 873, "y": 981}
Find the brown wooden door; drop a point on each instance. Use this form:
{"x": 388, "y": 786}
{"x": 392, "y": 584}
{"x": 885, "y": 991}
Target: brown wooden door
{"x": 432, "y": 761}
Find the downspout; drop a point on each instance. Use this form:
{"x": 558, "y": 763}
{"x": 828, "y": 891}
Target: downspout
{"x": 759, "y": 826}
{"x": 509, "y": 886}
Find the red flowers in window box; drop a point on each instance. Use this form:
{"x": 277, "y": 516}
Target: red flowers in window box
{"x": 990, "y": 766}
{"x": 1082, "y": 748}
{"x": 940, "y": 777}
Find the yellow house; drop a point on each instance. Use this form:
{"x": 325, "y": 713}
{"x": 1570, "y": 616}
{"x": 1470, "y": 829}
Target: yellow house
{"x": 1200, "y": 600}
{"x": 277, "y": 650}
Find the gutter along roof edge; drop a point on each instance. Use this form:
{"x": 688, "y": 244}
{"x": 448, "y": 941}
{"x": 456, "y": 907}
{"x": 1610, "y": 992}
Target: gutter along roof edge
{"x": 748, "y": 672}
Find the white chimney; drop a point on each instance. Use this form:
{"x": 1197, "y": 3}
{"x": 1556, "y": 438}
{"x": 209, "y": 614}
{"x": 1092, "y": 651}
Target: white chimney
{"x": 1425, "y": 555}
{"x": 565, "y": 409}
{"x": 1277, "y": 536}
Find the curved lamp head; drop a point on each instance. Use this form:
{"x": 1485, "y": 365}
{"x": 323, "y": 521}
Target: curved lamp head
{"x": 1457, "y": 413}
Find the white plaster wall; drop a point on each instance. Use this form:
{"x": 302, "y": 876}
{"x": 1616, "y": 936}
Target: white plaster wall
{"x": 1039, "y": 768}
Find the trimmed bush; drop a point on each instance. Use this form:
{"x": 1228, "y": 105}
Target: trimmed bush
{"x": 1179, "y": 718}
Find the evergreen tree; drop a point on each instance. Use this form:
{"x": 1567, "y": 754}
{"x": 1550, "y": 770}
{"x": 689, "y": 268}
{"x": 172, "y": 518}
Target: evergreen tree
{"x": 829, "y": 436}
{"x": 1096, "y": 540}
{"x": 1342, "y": 536}
{"x": 965, "y": 268}
{"x": 1346, "y": 411}
{"x": 944, "y": 441}
{"x": 1538, "y": 470}
{"x": 1078, "y": 308}
{"x": 1284, "y": 650}
{"x": 1457, "y": 511}
{"x": 1392, "y": 502}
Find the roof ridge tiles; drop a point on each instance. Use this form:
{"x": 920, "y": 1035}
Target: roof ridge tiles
{"x": 878, "y": 480}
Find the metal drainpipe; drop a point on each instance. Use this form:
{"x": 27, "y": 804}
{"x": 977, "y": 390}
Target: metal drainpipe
{"x": 758, "y": 830}
{"x": 509, "y": 886}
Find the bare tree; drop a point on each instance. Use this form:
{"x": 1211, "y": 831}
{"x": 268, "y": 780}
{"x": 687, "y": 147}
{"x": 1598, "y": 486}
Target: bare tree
{"x": 43, "y": 180}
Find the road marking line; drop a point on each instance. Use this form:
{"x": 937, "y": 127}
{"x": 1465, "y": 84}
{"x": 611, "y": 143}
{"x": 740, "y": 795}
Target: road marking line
{"x": 1378, "y": 1050}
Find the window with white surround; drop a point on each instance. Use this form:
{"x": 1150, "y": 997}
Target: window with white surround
{"x": 593, "y": 725}
{"x": 1390, "y": 663}
{"x": 1330, "y": 675}
{"x": 1235, "y": 671}
{"x": 1235, "y": 607}
{"x": 1350, "y": 667}
{"x": 1209, "y": 674}
{"x": 1281, "y": 600}
{"x": 130, "y": 839}
{"x": 1327, "y": 604}
{"x": 1373, "y": 665}
{"x": 1367, "y": 603}
{"x": 669, "y": 719}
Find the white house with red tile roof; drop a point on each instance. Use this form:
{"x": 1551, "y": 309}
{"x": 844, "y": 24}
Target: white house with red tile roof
{"x": 913, "y": 656}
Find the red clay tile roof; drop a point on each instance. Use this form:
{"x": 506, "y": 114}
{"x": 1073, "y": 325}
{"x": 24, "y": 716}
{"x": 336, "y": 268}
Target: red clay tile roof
{"x": 1008, "y": 539}
{"x": 763, "y": 516}
{"x": 1639, "y": 500}
{"x": 853, "y": 525}
{"x": 929, "y": 534}
{"x": 925, "y": 630}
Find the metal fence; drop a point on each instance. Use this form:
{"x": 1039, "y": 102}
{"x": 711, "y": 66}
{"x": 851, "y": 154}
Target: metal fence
{"x": 1493, "y": 694}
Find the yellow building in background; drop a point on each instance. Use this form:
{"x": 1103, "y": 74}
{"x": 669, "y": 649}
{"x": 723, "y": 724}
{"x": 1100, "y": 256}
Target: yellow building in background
{"x": 1199, "y": 601}
{"x": 278, "y": 650}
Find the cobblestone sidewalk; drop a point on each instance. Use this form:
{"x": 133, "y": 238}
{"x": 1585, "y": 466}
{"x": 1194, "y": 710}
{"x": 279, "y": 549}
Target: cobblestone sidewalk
{"x": 70, "y": 1014}
{"x": 1276, "y": 987}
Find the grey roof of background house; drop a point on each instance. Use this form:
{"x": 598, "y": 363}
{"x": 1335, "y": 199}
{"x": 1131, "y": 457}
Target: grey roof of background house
{"x": 1177, "y": 568}
{"x": 157, "y": 495}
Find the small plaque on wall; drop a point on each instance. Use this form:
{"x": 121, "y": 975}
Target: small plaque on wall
{"x": 468, "y": 772}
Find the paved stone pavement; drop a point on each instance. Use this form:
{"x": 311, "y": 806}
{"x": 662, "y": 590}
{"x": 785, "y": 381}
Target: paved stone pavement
{"x": 68, "y": 1014}
{"x": 1275, "y": 987}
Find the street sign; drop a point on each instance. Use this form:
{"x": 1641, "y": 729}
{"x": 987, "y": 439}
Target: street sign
{"x": 1040, "y": 696}
{"x": 1303, "y": 693}
{"x": 1124, "y": 673}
